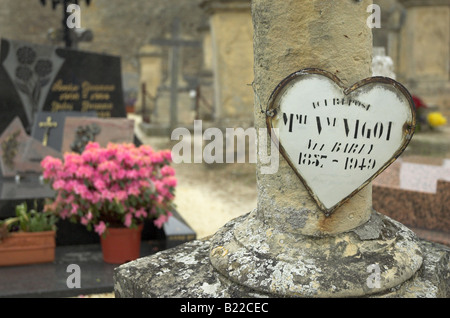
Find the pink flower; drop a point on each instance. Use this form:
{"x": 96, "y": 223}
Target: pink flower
{"x": 59, "y": 184}
{"x": 128, "y": 219}
{"x": 91, "y": 146}
{"x": 84, "y": 220}
{"x": 141, "y": 213}
{"x": 170, "y": 182}
{"x": 121, "y": 195}
{"x": 161, "y": 220}
{"x": 137, "y": 178}
{"x": 99, "y": 184}
{"x": 84, "y": 171}
{"x": 167, "y": 171}
{"x": 74, "y": 209}
{"x": 100, "y": 228}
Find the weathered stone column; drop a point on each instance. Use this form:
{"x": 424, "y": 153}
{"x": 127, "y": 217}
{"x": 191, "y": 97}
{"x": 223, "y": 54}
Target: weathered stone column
{"x": 288, "y": 246}
{"x": 424, "y": 51}
{"x": 231, "y": 31}
{"x": 290, "y": 36}
{"x": 150, "y": 60}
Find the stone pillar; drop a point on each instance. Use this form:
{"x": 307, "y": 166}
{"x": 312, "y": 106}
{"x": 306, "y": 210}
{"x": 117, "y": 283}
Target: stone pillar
{"x": 288, "y": 246}
{"x": 150, "y": 61}
{"x": 205, "y": 100}
{"x": 232, "y": 34}
{"x": 424, "y": 51}
{"x": 279, "y": 51}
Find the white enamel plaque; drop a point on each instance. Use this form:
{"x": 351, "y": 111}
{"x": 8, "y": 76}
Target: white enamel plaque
{"x": 338, "y": 139}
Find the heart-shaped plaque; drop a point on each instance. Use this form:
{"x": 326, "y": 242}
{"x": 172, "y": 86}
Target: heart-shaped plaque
{"x": 338, "y": 139}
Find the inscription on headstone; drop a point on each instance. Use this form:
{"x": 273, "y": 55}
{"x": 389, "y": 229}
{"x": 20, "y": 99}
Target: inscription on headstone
{"x": 338, "y": 139}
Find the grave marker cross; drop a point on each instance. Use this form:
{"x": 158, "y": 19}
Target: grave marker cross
{"x": 175, "y": 43}
{"x": 48, "y": 124}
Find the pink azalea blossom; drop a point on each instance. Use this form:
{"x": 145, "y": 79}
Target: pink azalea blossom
{"x": 100, "y": 228}
{"x": 161, "y": 220}
{"x": 137, "y": 181}
{"x": 128, "y": 219}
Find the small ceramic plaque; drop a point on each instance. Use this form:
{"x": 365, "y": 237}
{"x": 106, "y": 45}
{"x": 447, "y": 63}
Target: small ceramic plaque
{"x": 337, "y": 139}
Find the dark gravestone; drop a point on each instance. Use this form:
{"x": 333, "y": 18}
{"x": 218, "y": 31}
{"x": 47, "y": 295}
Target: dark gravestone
{"x": 35, "y": 78}
{"x": 20, "y": 157}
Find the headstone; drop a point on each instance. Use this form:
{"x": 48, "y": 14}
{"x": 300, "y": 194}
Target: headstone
{"x": 80, "y": 130}
{"x": 289, "y": 246}
{"x": 54, "y": 134}
{"x": 20, "y": 157}
{"x": 20, "y": 154}
{"x": 35, "y": 78}
{"x": 414, "y": 191}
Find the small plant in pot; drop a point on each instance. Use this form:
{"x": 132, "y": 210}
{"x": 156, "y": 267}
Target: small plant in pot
{"x": 112, "y": 190}
{"x": 27, "y": 238}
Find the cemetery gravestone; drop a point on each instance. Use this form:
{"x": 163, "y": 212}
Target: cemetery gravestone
{"x": 80, "y": 130}
{"x": 36, "y": 78}
{"x": 20, "y": 157}
{"x": 21, "y": 154}
{"x": 54, "y": 134}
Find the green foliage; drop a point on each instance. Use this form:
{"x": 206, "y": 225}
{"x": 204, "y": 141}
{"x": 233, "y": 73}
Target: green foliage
{"x": 30, "y": 220}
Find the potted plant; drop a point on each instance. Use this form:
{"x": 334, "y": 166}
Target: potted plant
{"x": 27, "y": 238}
{"x": 112, "y": 190}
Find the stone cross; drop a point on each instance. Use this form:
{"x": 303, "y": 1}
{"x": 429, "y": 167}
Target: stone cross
{"x": 175, "y": 43}
{"x": 48, "y": 124}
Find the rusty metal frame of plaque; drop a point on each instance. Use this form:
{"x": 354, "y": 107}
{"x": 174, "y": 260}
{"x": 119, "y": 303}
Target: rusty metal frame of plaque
{"x": 273, "y": 107}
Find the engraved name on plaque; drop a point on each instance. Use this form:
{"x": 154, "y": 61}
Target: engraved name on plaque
{"x": 338, "y": 139}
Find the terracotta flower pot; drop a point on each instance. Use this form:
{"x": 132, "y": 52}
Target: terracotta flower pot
{"x": 121, "y": 245}
{"x": 20, "y": 248}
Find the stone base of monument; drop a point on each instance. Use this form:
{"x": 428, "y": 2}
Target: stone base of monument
{"x": 381, "y": 258}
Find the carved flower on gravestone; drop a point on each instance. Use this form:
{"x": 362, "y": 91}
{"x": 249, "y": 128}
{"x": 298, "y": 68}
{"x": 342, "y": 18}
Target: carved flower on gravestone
{"x": 83, "y": 135}
{"x": 31, "y": 74}
{"x": 25, "y": 55}
{"x": 24, "y": 73}
{"x": 9, "y": 149}
{"x": 43, "y": 68}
